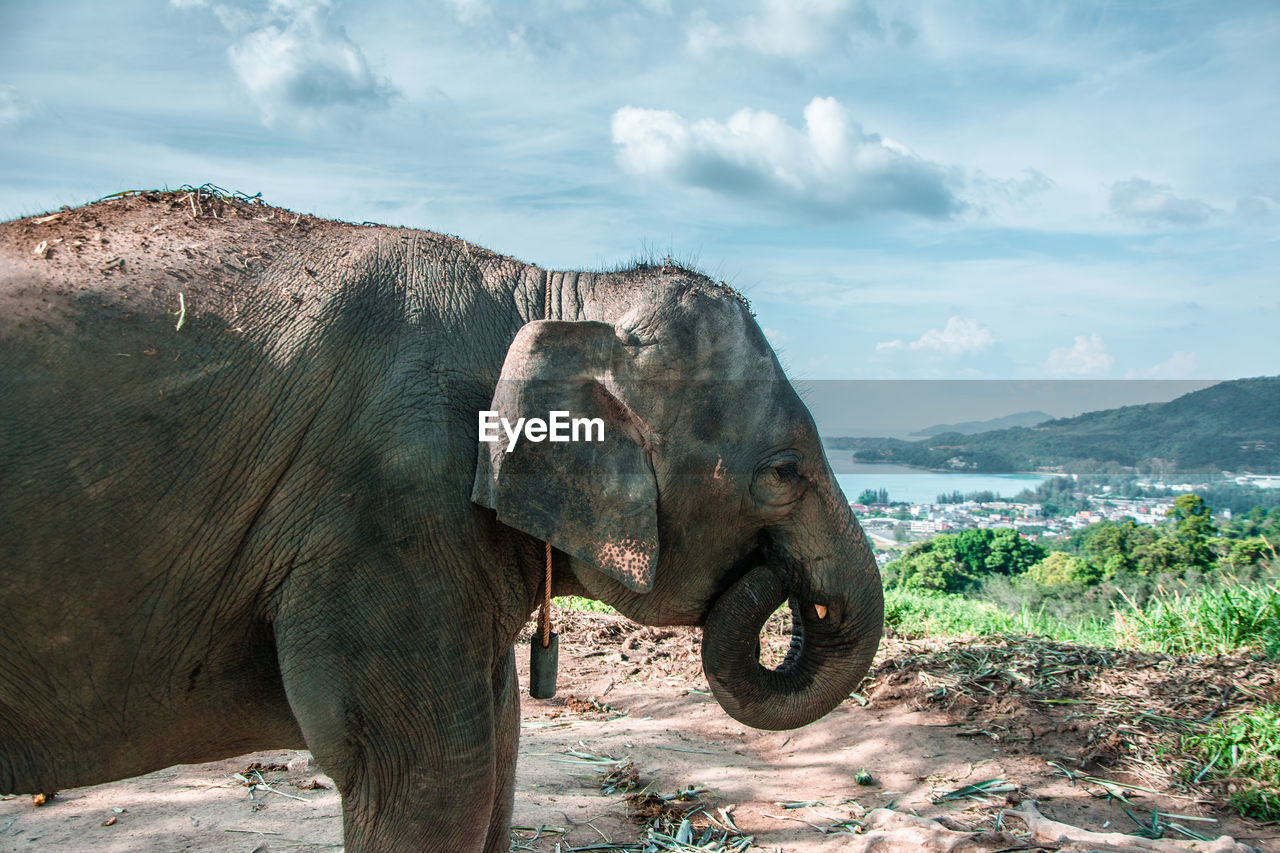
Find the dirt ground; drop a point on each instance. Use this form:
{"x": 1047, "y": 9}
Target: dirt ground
{"x": 633, "y": 744}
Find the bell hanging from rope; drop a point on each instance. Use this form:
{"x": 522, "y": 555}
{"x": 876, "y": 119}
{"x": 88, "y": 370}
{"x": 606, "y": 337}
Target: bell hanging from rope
{"x": 542, "y": 666}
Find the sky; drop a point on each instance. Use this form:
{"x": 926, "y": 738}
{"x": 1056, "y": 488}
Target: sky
{"x": 903, "y": 190}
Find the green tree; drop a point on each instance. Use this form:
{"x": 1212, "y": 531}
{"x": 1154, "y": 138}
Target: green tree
{"x": 955, "y": 562}
{"x": 930, "y": 565}
{"x": 1160, "y": 556}
{"x": 1247, "y": 552}
{"x": 1010, "y": 554}
{"x": 1062, "y": 569}
{"x": 1193, "y": 529}
{"x": 1001, "y": 551}
{"x": 971, "y": 548}
{"x": 1111, "y": 547}
{"x": 930, "y": 570}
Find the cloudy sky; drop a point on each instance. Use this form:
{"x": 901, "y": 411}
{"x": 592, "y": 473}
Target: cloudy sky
{"x": 908, "y": 190}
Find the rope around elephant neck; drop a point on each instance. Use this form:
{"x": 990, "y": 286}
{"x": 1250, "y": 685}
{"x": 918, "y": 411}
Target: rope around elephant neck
{"x": 545, "y": 615}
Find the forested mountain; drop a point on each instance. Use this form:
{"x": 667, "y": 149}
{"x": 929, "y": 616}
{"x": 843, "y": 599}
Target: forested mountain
{"x": 1023, "y": 419}
{"x": 1233, "y": 426}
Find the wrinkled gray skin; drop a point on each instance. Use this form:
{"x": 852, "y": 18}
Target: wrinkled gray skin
{"x": 275, "y": 525}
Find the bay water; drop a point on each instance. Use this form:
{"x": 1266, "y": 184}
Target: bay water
{"x": 917, "y": 485}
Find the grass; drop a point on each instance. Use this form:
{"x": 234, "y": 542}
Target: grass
{"x": 1215, "y": 620}
{"x": 1236, "y": 755}
{"x": 588, "y": 605}
{"x": 1244, "y": 753}
{"x": 916, "y": 613}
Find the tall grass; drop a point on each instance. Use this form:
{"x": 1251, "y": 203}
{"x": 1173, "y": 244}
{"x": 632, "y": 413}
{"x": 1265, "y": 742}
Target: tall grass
{"x": 1244, "y": 749}
{"x": 917, "y": 613}
{"x": 589, "y": 605}
{"x": 1214, "y": 620}
{"x": 1211, "y": 620}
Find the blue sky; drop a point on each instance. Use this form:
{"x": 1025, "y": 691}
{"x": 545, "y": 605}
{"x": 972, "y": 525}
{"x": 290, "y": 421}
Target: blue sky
{"x": 904, "y": 190}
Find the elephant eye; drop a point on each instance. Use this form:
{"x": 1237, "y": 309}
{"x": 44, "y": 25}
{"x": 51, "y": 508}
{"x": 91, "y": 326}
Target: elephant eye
{"x": 786, "y": 472}
{"x": 779, "y": 483}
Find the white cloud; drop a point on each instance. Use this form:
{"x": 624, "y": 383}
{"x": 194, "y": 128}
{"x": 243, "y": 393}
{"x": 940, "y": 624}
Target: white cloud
{"x": 13, "y": 106}
{"x": 961, "y": 336}
{"x": 1180, "y": 365}
{"x": 11, "y": 110}
{"x": 1088, "y": 356}
{"x": 1138, "y": 198}
{"x": 1010, "y": 191}
{"x": 830, "y": 166}
{"x": 301, "y": 65}
{"x": 471, "y": 11}
{"x": 1255, "y": 207}
{"x": 776, "y": 336}
{"x": 791, "y": 29}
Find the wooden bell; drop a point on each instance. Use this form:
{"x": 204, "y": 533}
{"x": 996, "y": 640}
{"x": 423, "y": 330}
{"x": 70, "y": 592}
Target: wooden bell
{"x": 542, "y": 666}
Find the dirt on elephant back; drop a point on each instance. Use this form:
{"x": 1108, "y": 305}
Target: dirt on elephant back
{"x": 951, "y": 745}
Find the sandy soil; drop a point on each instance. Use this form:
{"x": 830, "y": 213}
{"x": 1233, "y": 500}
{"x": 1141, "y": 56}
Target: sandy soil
{"x": 633, "y": 741}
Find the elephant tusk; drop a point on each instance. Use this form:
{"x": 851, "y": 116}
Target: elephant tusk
{"x": 821, "y": 611}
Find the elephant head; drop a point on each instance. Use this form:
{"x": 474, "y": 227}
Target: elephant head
{"x": 709, "y": 500}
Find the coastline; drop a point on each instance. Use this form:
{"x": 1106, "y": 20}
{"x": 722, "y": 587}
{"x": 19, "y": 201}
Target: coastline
{"x": 898, "y": 464}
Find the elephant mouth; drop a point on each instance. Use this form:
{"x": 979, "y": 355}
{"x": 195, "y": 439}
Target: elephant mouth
{"x": 832, "y": 643}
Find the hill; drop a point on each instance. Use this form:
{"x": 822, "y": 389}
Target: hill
{"x": 1232, "y": 426}
{"x": 1023, "y": 419}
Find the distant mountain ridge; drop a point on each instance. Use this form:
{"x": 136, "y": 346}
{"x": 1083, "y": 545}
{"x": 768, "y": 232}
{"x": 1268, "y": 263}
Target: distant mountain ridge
{"x": 1233, "y": 426}
{"x": 1018, "y": 419}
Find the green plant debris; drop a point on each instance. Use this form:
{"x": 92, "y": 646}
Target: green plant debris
{"x": 977, "y": 791}
{"x": 1241, "y": 754}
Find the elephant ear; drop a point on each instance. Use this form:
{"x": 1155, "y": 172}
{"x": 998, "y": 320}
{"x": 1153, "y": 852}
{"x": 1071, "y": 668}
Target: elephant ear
{"x": 596, "y": 500}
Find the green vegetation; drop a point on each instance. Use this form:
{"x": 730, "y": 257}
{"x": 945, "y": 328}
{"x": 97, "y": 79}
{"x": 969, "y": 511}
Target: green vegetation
{"x": 1256, "y": 523}
{"x": 956, "y": 562}
{"x": 925, "y": 613}
{"x": 1246, "y": 750}
{"x": 1240, "y": 499}
{"x": 1188, "y": 587}
{"x": 873, "y": 496}
{"x": 1231, "y": 426}
{"x": 589, "y": 605}
{"x": 1217, "y": 620}
{"x": 1193, "y": 586}
{"x": 1190, "y": 543}
{"x": 956, "y": 497}
{"x": 1057, "y": 496}
{"x": 1060, "y": 569}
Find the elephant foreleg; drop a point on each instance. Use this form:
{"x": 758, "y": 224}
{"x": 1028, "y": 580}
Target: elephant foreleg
{"x": 402, "y": 715}
{"x": 506, "y": 691}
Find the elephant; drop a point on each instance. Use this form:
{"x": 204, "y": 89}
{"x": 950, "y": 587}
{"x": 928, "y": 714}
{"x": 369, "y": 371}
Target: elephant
{"x": 245, "y": 503}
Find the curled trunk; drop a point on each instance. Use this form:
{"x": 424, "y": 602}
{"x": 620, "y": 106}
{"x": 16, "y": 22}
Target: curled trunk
{"x": 827, "y": 659}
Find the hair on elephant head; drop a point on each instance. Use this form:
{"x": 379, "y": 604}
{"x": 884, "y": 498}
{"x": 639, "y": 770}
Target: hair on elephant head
{"x": 709, "y": 500}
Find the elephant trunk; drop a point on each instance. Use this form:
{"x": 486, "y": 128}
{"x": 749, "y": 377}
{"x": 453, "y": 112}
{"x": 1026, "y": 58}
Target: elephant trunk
{"x": 834, "y": 637}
